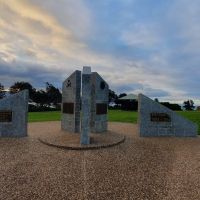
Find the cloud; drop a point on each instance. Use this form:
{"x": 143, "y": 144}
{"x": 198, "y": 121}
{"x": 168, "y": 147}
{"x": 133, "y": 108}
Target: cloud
{"x": 140, "y": 36}
{"x": 154, "y": 93}
{"x": 34, "y": 28}
{"x": 148, "y": 47}
{"x": 36, "y": 74}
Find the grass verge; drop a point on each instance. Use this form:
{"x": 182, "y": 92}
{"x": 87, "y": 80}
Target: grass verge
{"x": 113, "y": 116}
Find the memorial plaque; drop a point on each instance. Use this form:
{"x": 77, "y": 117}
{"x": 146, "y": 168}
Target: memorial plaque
{"x": 5, "y": 116}
{"x": 101, "y": 108}
{"x": 68, "y": 108}
{"x": 160, "y": 117}
{"x": 102, "y": 85}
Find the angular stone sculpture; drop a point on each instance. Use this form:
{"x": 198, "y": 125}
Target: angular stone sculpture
{"x": 71, "y": 101}
{"x": 86, "y": 105}
{"x": 14, "y": 115}
{"x": 93, "y": 104}
{"x": 157, "y": 120}
{"x": 99, "y": 104}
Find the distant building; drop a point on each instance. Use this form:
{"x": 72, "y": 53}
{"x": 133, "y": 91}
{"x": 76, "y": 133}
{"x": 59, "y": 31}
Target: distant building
{"x": 198, "y": 108}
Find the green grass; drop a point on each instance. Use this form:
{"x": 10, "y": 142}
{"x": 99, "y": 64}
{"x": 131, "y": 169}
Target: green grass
{"x": 122, "y": 116}
{"x": 44, "y": 116}
{"x": 113, "y": 116}
{"x": 193, "y": 116}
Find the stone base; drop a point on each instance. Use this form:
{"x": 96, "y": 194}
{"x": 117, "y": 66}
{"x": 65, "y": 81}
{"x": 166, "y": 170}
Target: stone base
{"x": 71, "y": 141}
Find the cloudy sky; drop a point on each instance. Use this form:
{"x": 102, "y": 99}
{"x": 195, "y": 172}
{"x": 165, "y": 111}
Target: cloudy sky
{"x": 144, "y": 46}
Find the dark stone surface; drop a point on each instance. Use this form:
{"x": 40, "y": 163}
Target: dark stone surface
{"x": 5, "y": 116}
{"x": 68, "y": 108}
{"x": 101, "y": 109}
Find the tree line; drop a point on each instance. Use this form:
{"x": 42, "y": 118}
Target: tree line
{"x": 44, "y": 99}
{"x": 50, "y": 98}
{"x": 132, "y": 105}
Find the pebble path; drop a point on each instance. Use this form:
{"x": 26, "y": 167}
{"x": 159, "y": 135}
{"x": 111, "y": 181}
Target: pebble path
{"x": 139, "y": 168}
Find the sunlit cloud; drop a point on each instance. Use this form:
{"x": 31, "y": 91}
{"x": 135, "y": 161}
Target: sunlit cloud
{"x": 137, "y": 47}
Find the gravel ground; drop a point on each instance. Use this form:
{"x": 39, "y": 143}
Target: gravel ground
{"x": 139, "y": 168}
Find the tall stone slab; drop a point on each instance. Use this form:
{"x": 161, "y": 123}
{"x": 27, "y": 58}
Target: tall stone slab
{"x": 71, "y": 102}
{"x": 157, "y": 120}
{"x": 99, "y": 104}
{"x": 86, "y": 105}
{"x": 14, "y": 115}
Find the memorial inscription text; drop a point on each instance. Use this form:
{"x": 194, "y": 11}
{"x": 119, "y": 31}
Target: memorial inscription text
{"x": 68, "y": 108}
{"x": 5, "y": 116}
{"x": 160, "y": 117}
{"x": 101, "y": 108}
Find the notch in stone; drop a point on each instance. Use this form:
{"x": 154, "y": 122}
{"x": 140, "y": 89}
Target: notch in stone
{"x": 86, "y": 70}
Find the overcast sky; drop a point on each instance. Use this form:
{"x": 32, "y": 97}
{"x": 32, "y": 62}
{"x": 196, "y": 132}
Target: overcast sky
{"x": 148, "y": 46}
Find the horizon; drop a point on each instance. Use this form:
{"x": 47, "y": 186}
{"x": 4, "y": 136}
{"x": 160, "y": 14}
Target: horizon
{"x": 137, "y": 46}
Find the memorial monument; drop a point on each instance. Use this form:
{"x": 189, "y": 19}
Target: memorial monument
{"x": 93, "y": 104}
{"x": 71, "y": 102}
{"x": 99, "y": 103}
{"x": 157, "y": 120}
{"x": 14, "y": 115}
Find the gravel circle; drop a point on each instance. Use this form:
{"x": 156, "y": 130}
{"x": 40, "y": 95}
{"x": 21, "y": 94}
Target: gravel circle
{"x": 140, "y": 168}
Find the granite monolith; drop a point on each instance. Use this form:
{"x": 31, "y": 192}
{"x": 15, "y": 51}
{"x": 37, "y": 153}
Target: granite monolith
{"x": 86, "y": 105}
{"x": 157, "y": 120}
{"x": 71, "y": 102}
{"x": 99, "y": 104}
{"x": 14, "y": 115}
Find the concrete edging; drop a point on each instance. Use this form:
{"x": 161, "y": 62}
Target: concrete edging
{"x": 85, "y": 147}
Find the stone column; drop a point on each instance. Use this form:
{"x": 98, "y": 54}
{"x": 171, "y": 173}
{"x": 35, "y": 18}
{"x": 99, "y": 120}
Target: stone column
{"x": 86, "y": 105}
{"x": 100, "y": 90}
{"x": 14, "y": 115}
{"x": 71, "y": 101}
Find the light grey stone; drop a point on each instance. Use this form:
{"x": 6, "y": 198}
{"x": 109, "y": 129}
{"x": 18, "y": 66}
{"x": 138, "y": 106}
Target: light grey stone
{"x": 99, "y": 94}
{"x": 86, "y": 70}
{"x": 177, "y": 126}
{"x": 86, "y": 106}
{"x": 94, "y": 101}
{"x": 18, "y": 105}
{"x": 71, "y": 99}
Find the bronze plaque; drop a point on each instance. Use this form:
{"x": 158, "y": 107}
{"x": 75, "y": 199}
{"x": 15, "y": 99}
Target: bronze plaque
{"x": 160, "y": 117}
{"x": 68, "y": 108}
{"x": 5, "y": 116}
{"x": 101, "y": 108}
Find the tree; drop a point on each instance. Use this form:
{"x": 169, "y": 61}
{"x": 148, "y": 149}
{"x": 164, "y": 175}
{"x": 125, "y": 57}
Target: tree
{"x": 2, "y": 92}
{"x": 112, "y": 96}
{"x": 189, "y": 105}
{"x": 40, "y": 97}
{"x": 122, "y": 95}
{"x": 19, "y": 86}
{"x": 172, "y": 106}
{"x": 156, "y": 100}
{"x": 53, "y": 94}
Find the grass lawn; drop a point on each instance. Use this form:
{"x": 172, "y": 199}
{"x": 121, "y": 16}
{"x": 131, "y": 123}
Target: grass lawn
{"x": 44, "y": 116}
{"x": 122, "y": 116}
{"x": 113, "y": 116}
{"x": 193, "y": 116}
